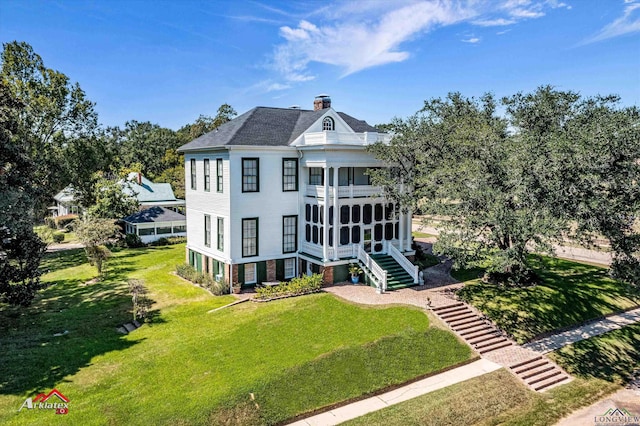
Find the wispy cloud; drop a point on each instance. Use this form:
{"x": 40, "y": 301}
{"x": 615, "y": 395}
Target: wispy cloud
{"x": 357, "y": 44}
{"x": 628, "y": 23}
{"x": 355, "y": 35}
{"x": 498, "y": 22}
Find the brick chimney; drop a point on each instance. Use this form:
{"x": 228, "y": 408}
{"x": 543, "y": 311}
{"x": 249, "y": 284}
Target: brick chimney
{"x": 321, "y": 102}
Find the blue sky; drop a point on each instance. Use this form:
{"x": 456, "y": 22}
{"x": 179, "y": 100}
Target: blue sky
{"x": 169, "y": 61}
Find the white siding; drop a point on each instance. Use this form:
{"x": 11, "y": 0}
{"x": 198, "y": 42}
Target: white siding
{"x": 213, "y": 203}
{"x": 268, "y": 205}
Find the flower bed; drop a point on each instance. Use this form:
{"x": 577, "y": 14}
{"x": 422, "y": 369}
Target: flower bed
{"x": 295, "y": 287}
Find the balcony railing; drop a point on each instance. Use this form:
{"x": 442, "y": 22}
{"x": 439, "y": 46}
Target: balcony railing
{"x": 351, "y": 191}
{"x": 333, "y": 138}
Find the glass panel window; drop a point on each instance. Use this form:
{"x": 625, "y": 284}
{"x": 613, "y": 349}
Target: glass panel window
{"x": 250, "y": 273}
{"x": 207, "y": 230}
{"x": 250, "y": 175}
{"x": 290, "y": 174}
{"x": 344, "y": 215}
{"x": 355, "y": 234}
{"x": 219, "y": 180}
{"x": 180, "y": 228}
{"x": 193, "y": 173}
{"x": 207, "y": 175}
{"x": 220, "y": 233}
{"x": 163, "y": 230}
{"x": 316, "y": 177}
{"x": 289, "y": 268}
{"x": 249, "y": 237}
{"x": 146, "y": 231}
{"x": 289, "y": 234}
{"x": 327, "y": 124}
{"x": 355, "y": 214}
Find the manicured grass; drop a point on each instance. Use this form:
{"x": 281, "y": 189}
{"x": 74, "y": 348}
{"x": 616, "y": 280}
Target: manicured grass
{"x": 612, "y": 356}
{"x": 496, "y": 398}
{"x": 601, "y": 364}
{"x": 417, "y": 234}
{"x": 192, "y": 367}
{"x": 570, "y": 293}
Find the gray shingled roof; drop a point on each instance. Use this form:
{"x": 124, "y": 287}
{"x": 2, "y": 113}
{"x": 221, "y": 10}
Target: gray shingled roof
{"x": 155, "y": 214}
{"x": 262, "y": 126}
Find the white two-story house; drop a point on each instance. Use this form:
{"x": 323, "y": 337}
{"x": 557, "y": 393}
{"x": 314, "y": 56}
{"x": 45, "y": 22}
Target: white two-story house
{"x": 279, "y": 192}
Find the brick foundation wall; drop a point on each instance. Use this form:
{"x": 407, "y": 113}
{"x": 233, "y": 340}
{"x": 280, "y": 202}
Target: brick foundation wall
{"x": 328, "y": 274}
{"x": 234, "y": 274}
{"x": 271, "y": 270}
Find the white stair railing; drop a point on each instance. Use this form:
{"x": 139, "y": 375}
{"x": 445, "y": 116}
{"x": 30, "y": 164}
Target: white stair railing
{"x": 375, "y": 269}
{"x": 402, "y": 260}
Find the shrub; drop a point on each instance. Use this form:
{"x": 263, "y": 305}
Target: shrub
{"x": 176, "y": 240}
{"x": 162, "y": 241}
{"x": 50, "y": 222}
{"x": 296, "y": 287}
{"x": 189, "y": 273}
{"x": 133, "y": 241}
{"x": 58, "y": 237}
{"x": 63, "y": 221}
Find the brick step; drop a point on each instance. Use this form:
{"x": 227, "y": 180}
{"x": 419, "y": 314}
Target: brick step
{"x": 520, "y": 364}
{"x": 457, "y": 323}
{"x": 540, "y": 386}
{"x": 536, "y": 371}
{"x": 537, "y": 363}
{"x": 490, "y": 342}
{"x": 456, "y": 310}
{"x": 442, "y": 308}
{"x": 493, "y": 348}
{"x": 543, "y": 376}
{"x": 476, "y": 323}
{"x": 483, "y": 337}
{"x": 457, "y": 315}
{"x": 470, "y": 332}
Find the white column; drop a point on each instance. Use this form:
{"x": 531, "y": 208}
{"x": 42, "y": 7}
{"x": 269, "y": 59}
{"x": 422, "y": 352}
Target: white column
{"x": 325, "y": 225}
{"x": 409, "y": 229}
{"x": 401, "y": 226}
{"x": 336, "y": 207}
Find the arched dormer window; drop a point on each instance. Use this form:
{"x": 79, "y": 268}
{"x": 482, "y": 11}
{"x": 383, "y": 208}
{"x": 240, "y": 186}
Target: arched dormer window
{"x": 327, "y": 124}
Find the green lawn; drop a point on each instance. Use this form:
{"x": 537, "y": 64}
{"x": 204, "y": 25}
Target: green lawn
{"x": 570, "y": 293}
{"x": 192, "y": 367}
{"x": 600, "y": 365}
{"x": 417, "y": 234}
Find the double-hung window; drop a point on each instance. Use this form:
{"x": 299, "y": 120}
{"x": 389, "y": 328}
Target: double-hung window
{"x": 250, "y": 175}
{"x": 249, "y": 237}
{"x": 219, "y": 175}
{"x": 316, "y": 176}
{"x": 289, "y": 234}
{"x": 207, "y": 230}
{"x": 289, "y": 268}
{"x": 290, "y": 174}
{"x": 207, "y": 175}
{"x": 220, "y": 233}
{"x": 193, "y": 173}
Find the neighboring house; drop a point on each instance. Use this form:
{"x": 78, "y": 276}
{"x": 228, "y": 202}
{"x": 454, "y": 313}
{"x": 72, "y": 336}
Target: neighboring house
{"x": 279, "y": 192}
{"x": 155, "y": 223}
{"x": 151, "y": 194}
{"x": 65, "y": 203}
{"x": 147, "y": 193}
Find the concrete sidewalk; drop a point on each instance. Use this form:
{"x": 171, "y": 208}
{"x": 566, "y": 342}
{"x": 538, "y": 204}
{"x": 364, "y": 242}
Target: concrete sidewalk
{"x": 592, "y": 329}
{"x": 405, "y": 393}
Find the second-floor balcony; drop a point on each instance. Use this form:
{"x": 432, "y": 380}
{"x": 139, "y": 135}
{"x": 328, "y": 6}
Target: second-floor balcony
{"x": 333, "y": 137}
{"x": 347, "y": 191}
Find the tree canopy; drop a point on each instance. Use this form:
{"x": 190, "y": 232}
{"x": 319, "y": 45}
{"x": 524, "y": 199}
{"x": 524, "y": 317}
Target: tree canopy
{"x": 556, "y": 165}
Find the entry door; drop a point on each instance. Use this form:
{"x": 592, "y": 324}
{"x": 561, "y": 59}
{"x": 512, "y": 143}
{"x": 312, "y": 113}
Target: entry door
{"x": 367, "y": 240}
